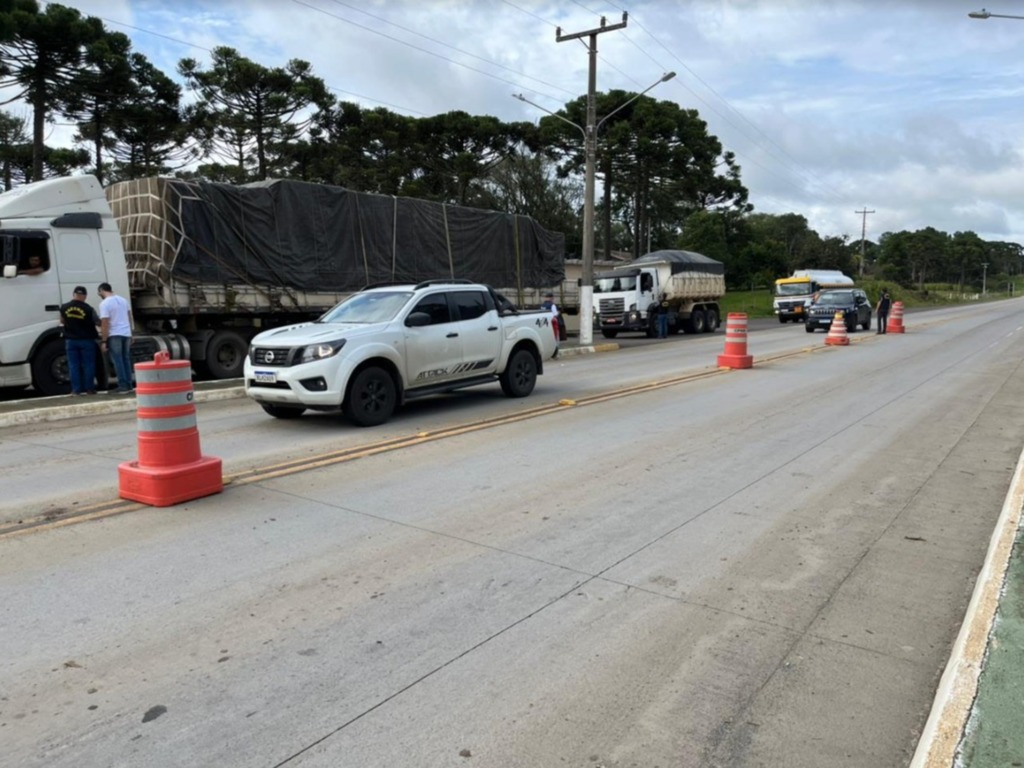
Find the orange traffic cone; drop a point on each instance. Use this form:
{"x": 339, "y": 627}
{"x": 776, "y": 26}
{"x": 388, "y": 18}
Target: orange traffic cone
{"x": 735, "y": 354}
{"x": 837, "y": 333}
{"x": 171, "y": 469}
{"x": 895, "y": 324}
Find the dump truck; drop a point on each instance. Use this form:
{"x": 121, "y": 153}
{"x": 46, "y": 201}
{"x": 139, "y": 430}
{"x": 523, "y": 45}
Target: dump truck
{"x": 627, "y": 297}
{"x": 206, "y": 265}
{"x": 794, "y": 294}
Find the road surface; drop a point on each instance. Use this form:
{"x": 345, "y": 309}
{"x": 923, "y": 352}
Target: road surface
{"x": 650, "y": 562}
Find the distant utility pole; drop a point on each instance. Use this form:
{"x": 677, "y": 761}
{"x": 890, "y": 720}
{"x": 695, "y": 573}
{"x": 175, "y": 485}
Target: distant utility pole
{"x": 863, "y": 232}
{"x": 590, "y": 152}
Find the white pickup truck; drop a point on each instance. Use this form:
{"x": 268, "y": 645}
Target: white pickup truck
{"x": 387, "y": 344}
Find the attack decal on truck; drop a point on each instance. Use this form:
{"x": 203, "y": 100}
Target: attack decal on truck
{"x": 435, "y": 373}
{"x": 543, "y": 322}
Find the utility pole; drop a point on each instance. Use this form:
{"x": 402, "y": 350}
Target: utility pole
{"x": 590, "y": 151}
{"x": 863, "y": 233}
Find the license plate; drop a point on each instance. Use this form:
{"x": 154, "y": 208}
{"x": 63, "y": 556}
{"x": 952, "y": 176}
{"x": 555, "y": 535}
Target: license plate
{"x": 265, "y": 377}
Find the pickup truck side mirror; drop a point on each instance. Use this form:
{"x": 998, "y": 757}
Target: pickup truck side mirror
{"x": 417, "y": 320}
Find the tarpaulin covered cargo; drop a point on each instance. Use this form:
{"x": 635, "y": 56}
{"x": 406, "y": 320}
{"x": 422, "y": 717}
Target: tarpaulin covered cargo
{"x": 314, "y": 237}
{"x": 683, "y": 261}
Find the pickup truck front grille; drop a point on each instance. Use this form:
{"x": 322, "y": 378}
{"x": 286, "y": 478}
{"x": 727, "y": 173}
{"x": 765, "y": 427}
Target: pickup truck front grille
{"x": 612, "y": 308}
{"x": 272, "y": 357}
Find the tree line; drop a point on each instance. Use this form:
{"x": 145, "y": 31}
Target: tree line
{"x": 666, "y": 181}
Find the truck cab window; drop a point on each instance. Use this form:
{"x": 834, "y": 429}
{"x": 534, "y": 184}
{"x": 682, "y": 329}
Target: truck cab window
{"x": 470, "y": 304}
{"x": 437, "y": 307}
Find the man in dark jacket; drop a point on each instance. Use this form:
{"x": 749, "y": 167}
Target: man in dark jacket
{"x": 78, "y": 322}
{"x": 884, "y": 302}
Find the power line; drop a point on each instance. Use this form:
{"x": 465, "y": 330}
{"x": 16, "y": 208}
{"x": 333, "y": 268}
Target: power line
{"x": 452, "y": 47}
{"x": 410, "y": 45}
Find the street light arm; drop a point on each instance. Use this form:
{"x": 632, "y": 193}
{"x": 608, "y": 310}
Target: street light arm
{"x": 664, "y": 78}
{"x": 983, "y": 14}
{"x": 553, "y": 114}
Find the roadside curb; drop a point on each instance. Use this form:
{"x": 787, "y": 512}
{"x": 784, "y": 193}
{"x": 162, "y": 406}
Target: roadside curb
{"x": 588, "y": 350}
{"x": 955, "y": 695}
{"x": 34, "y": 413}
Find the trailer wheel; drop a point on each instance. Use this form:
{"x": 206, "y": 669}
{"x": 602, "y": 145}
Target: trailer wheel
{"x": 371, "y": 397}
{"x": 697, "y": 322}
{"x": 711, "y": 323}
{"x": 50, "y": 369}
{"x": 225, "y": 355}
{"x": 520, "y": 375}
{"x": 282, "y": 411}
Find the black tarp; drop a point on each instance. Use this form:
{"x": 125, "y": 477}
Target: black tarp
{"x": 323, "y": 238}
{"x": 684, "y": 261}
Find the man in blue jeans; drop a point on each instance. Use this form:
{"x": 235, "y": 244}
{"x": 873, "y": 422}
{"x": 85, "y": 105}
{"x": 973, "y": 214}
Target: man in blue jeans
{"x": 116, "y": 335}
{"x": 78, "y": 323}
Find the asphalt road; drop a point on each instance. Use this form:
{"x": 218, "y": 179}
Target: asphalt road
{"x": 668, "y": 565}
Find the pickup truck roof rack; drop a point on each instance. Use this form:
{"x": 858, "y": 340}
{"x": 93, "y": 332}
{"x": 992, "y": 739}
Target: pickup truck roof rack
{"x": 423, "y": 284}
{"x": 445, "y": 281}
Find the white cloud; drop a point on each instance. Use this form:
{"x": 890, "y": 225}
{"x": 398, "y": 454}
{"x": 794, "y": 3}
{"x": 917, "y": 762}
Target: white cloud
{"x": 909, "y": 107}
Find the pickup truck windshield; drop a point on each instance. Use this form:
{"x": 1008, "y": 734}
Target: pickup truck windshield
{"x": 375, "y": 307}
{"x": 613, "y": 284}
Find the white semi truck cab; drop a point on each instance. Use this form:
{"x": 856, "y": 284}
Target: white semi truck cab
{"x": 66, "y": 224}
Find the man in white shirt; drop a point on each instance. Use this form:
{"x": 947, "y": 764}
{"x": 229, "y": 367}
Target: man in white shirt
{"x": 549, "y": 304}
{"x": 116, "y": 335}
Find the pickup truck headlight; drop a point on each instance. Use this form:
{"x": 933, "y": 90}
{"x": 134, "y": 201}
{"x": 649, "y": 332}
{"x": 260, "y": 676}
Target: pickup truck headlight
{"x": 321, "y": 351}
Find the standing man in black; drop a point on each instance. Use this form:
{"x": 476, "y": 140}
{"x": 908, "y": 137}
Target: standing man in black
{"x": 78, "y": 322}
{"x": 883, "y": 310}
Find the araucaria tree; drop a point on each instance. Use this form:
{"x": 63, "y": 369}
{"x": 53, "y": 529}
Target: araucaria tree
{"x": 40, "y": 57}
{"x": 246, "y": 113}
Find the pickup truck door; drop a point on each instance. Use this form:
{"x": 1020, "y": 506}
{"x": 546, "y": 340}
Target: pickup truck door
{"x": 433, "y": 353}
{"x": 479, "y": 329}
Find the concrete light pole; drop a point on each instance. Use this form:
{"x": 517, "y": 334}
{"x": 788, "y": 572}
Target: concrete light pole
{"x": 984, "y": 277}
{"x": 590, "y": 153}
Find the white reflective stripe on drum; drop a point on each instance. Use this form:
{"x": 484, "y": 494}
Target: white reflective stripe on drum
{"x": 164, "y": 400}
{"x": 159, "y": 375}
{"x": 167, "y": 425}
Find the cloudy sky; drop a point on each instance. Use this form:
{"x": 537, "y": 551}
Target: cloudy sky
{"x": 907, "y": 108}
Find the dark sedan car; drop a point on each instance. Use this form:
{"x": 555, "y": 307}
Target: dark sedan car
{"x": 852, "y": 302}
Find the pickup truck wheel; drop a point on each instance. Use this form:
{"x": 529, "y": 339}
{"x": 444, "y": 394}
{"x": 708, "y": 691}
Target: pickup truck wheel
{"x": 283, "y": 411}
{"x": 50, "y": 369}
{"x": 520, "y": 375}
{"x": 808, "y": 327}
{"x": 609, "y": 334}
{"x": 851, "y": 327}
{"x": 866, "y": 325}
{"x": 225, "y": 355}
{"x": 371, "y": 397}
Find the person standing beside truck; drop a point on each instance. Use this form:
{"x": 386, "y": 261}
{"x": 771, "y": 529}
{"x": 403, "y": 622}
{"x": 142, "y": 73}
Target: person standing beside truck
{"x": 116, "y": 335}
{"x": 550, "y": 306}
{"x": 78, "y": 323}
{"x": 662, "y": 317}
{"x": 884, "y": 303}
